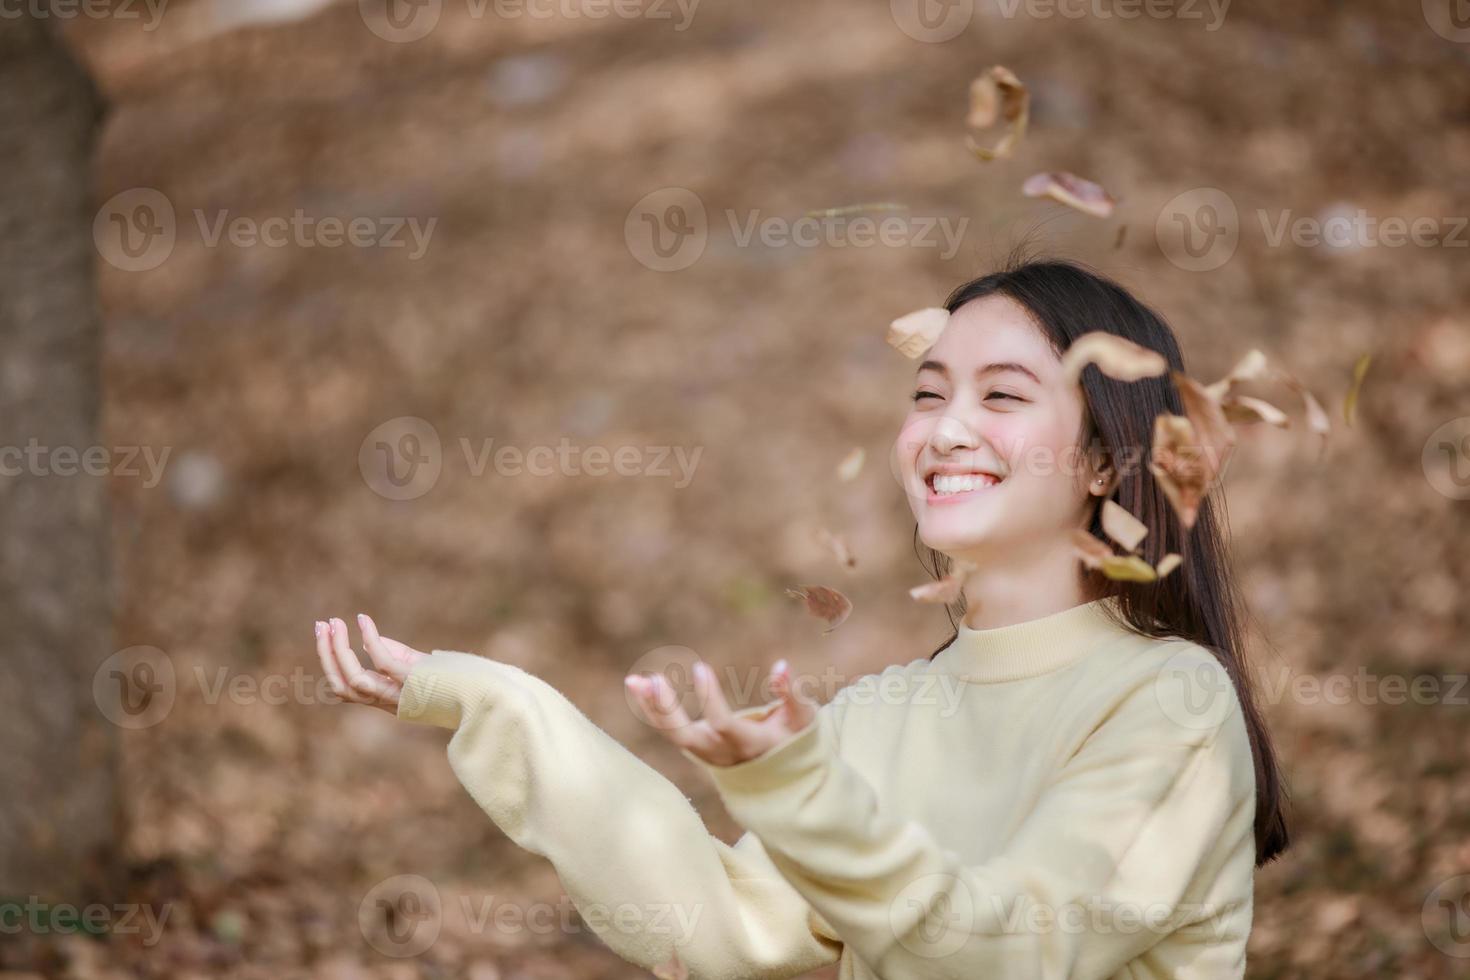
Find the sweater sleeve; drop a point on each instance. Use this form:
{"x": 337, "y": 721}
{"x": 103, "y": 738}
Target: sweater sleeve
{"x": 1123, "y": 848}
{"x": 631, "y": 851}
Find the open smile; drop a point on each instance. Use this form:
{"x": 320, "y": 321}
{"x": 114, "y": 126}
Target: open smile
{"x": 947, "y": 488}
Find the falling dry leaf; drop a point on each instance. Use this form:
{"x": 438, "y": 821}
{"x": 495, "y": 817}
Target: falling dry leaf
{"x": 1350, "y": 402}
{"x": 1097, "y": 555}
{"x": 914, "y": 333}
{"x": 1167, "y": 564}
{"x": 672, "y": 969}
{"x": 947, "y": 589}
{"x": 1128, "y": 568}
{"x": 1205, "y": 414}
{"x": 1243, "y": 408}
{"x": 1178, "y": 467}
{"x": 856, "y": 209}
{"x": 1117, "y": 357}
{"x": 1092, "y": 551}
{"x": 1122, "y": 237}
{"x": 824, "y": 603}
{"x": 1071, "y": 190}
{"x": 997, "y": 96}
{"x": 851, "y": 465}
{"x": 838, "y": 546}
{"x": 1249, "y": 368}
{"x": 1122, "y": 526}
{"x": 1317, "y": 419}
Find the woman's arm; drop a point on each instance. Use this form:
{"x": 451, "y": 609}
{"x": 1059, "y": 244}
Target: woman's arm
{"x": 1148, "y": 828}
{"x": 628, "y": 846}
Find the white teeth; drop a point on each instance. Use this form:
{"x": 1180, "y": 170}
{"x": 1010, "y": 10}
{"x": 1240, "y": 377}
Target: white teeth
{"x": 962, "y": 483}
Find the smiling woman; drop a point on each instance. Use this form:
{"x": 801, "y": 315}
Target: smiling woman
{"x": 1088, "y": 799}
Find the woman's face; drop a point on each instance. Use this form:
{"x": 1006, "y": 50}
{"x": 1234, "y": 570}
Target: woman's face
{"x": 988, "y": 454}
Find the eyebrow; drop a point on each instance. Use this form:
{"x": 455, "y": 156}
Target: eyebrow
{"x": 996, "y": 368}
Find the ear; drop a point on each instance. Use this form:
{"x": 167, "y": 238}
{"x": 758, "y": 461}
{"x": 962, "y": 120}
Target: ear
{"x": 1102, "y": 477}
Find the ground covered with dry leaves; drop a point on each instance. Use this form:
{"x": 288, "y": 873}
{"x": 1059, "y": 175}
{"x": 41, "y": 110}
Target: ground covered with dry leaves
{"x": 529, "y": 319}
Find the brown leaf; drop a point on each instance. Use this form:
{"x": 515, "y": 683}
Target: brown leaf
{"x": 996, "y": 96}
{"x": 824, "y": 603}
{"x": 1244, "y": 409}
{"x": 1121, "y": 238}
{"x": 1128, "y": 568}
{"x": 1117, "y": 357}
{"x": 1178, "y": 467}
{"x": 1249, "y": 368}
{"x": 1214, "y": 431}
{"x": 1092, "y": 551}
{"x": 1071, "y": 190}
{"x": 1127, "y": 530}
{"x": 914, "y": 333}
{"x": 851, "y": 465}
{"x": 1317, "y": 418}
{"x": 1350, "y": 402}
{"x": 947, "y": 589}
{"x": 847, "y": 209}
{"x": 838, "y": 546}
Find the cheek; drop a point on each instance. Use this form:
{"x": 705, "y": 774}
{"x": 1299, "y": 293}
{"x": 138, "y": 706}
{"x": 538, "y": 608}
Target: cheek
{"x": 911, "y": 439}
{"x": 1033, "y": 445}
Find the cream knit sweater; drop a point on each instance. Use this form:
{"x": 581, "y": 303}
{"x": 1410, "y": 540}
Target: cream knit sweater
{"x": 1057, "y": 798}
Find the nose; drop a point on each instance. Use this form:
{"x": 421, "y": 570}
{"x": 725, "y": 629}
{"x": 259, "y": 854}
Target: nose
{"x": 950, "y": 434}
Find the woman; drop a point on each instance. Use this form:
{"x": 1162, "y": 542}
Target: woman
{"x": 1077, "y": 784}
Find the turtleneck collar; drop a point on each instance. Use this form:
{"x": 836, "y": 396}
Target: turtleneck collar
{"x": 1028, "y": 649}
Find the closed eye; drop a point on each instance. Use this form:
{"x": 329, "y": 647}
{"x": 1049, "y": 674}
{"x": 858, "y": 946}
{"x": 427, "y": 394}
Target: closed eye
{"x": 1004, "y": 394}
{"x": 925, "y": 394}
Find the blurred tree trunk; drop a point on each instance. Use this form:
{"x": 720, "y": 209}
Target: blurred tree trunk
{"x": 58, "y": 789}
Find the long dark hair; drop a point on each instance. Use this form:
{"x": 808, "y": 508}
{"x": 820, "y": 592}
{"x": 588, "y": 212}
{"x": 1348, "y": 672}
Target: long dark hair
{"x": 1199, "y": 601}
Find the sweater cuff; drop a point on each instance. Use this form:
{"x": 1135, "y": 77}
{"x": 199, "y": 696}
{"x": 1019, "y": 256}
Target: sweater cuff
{"x": 444, "y": 687}
{"x": 785, "y": 766}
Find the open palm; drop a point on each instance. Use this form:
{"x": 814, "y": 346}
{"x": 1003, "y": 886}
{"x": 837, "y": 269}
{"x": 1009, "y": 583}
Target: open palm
{"x": 722, "y": 737}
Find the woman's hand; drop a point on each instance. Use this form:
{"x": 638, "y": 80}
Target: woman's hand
{"x": 721, "y": 737}
{"x": 349, "y": 679}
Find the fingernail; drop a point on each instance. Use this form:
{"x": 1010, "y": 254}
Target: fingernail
{"x": 780, "y": 667}
{"x": 317, "y": 627}
{"x": 361, "y": 619}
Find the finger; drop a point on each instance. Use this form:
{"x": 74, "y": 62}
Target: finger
{"x": 381, "y": 652}
{"x": 370, "y": 684}
{"x": 329, "y": 662}
{"x": 711, "y": 698}
{"x": 800, "y": 709}
{"x": 659, "y": 702}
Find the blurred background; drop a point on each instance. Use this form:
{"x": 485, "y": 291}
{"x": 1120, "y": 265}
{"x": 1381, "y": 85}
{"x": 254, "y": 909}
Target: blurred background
{"x": 313, "y": 307}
